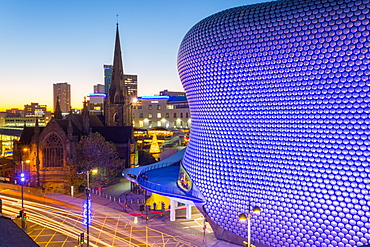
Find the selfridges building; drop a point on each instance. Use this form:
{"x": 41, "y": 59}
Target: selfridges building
{"x": 279, "y": 98}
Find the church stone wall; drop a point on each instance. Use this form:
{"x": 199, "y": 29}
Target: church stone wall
{"x": 54, "y": 178}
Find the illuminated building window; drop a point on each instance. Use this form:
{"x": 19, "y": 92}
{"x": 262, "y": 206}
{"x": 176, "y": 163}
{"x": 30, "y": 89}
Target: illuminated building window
{"x": 150, "y": 115}
{"x": 150, "y": 107}
{"x": 158, "y": 107}
{"x": 159, "y": 123}
{"x": 150, "y": 124}
{"x": 169, "y": 106}
{"x": 141, "y": 123}
{"x": 159, "y": 115}
{"x": 133, "y": 115}
{"x": 167, "y": 115}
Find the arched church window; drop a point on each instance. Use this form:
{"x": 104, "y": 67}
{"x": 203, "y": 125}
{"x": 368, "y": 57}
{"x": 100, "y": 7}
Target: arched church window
{"x": 116, "y": 118}
{"x": 53, "y": 152}
{"x": 116, "y": 98}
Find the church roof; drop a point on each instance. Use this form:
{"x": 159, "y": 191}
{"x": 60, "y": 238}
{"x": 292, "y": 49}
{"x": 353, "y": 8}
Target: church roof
{"x": 94, "y": 120}
{"x": 115, "y": 134}
{"x": 63, "y": 123}
{"x": 27, "y": 134}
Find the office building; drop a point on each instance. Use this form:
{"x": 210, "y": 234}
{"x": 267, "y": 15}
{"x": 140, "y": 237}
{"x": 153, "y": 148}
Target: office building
{"x": 172, "y": 93}
{"x": 14, "y": 112}
{"x": 99, "y": 88}
{"x": 108, "y": 69}
{"x": 96, "y": 100}
{"x": 131, "y": 84}
{"x": 161, "y": 111}
{"x": 62, "y": 91}
{"x": 34, "y": 110}
{"x": 96, "y": 103}
{"x": 27, "y": 117}
{"x": 130, "y": 81}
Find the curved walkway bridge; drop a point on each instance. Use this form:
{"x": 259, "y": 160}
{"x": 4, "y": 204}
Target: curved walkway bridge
{"x": 162, "y": 178}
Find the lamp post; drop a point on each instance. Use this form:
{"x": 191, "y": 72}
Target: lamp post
{"x": 22, "y": 181}
{"x": 87, "y": 205}
{"x": 87, "y": 201}
{"x": 243, "y": 217}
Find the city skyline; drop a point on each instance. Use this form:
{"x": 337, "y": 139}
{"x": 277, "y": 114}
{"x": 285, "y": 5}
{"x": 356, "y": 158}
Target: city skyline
{"x": 50, "y": 42}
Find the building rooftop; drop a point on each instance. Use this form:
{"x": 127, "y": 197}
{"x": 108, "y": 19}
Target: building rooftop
{"x": 12, "y": 235}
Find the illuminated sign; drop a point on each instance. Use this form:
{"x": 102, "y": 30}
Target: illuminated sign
{"x": 154, "y": 97}
{"x": 86, "y": 212}
{"x": 97, "y": 95}
{"x": 184, "y": 181}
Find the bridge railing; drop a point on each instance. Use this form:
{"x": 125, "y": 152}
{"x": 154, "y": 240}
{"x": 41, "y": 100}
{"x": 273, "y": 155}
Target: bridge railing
{"x": 143, "y": 180}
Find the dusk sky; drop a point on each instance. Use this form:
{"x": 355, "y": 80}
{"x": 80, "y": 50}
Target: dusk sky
{"x": 46, "y": 42}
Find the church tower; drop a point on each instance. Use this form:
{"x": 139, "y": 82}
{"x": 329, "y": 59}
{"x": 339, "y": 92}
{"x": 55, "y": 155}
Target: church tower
{"x": 117, "y": 103}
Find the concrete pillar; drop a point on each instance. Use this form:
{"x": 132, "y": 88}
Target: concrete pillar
{"x": 172, "y": 210}
{"x": 188, "y": 211}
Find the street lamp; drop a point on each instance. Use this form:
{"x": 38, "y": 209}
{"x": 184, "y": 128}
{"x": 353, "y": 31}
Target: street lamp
{"x": 87, "y": 204}
{"x": 22, "y": 180}
{"x": 243, "y": 218}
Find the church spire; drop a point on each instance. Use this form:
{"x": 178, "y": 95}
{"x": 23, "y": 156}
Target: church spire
{"x": 117, "y": 107}
{"x": 58, "y": 111}
{"x": 85, "y": 118}
{"x": 117, "y": 90}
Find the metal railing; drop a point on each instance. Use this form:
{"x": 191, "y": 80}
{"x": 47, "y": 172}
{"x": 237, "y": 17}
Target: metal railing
{"x": 163, "y": 188}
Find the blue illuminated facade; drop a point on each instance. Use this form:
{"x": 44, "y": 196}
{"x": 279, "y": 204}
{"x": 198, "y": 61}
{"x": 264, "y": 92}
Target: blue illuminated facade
{"x": 279, "y": 98}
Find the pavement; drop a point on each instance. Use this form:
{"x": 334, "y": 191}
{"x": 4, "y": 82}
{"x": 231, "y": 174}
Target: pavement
{"x": 119, "y": 200}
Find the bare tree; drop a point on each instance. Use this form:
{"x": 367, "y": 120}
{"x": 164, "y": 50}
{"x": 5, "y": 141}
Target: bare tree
{"x": 94, "y": 152}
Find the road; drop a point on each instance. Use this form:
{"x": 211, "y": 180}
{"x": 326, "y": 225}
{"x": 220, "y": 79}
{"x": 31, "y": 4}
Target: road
{"x": 60, "y": 224}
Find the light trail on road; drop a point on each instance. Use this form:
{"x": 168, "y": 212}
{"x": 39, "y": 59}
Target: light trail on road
{"x": 65, "y": 222}
{"x": 105, "y": 230}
